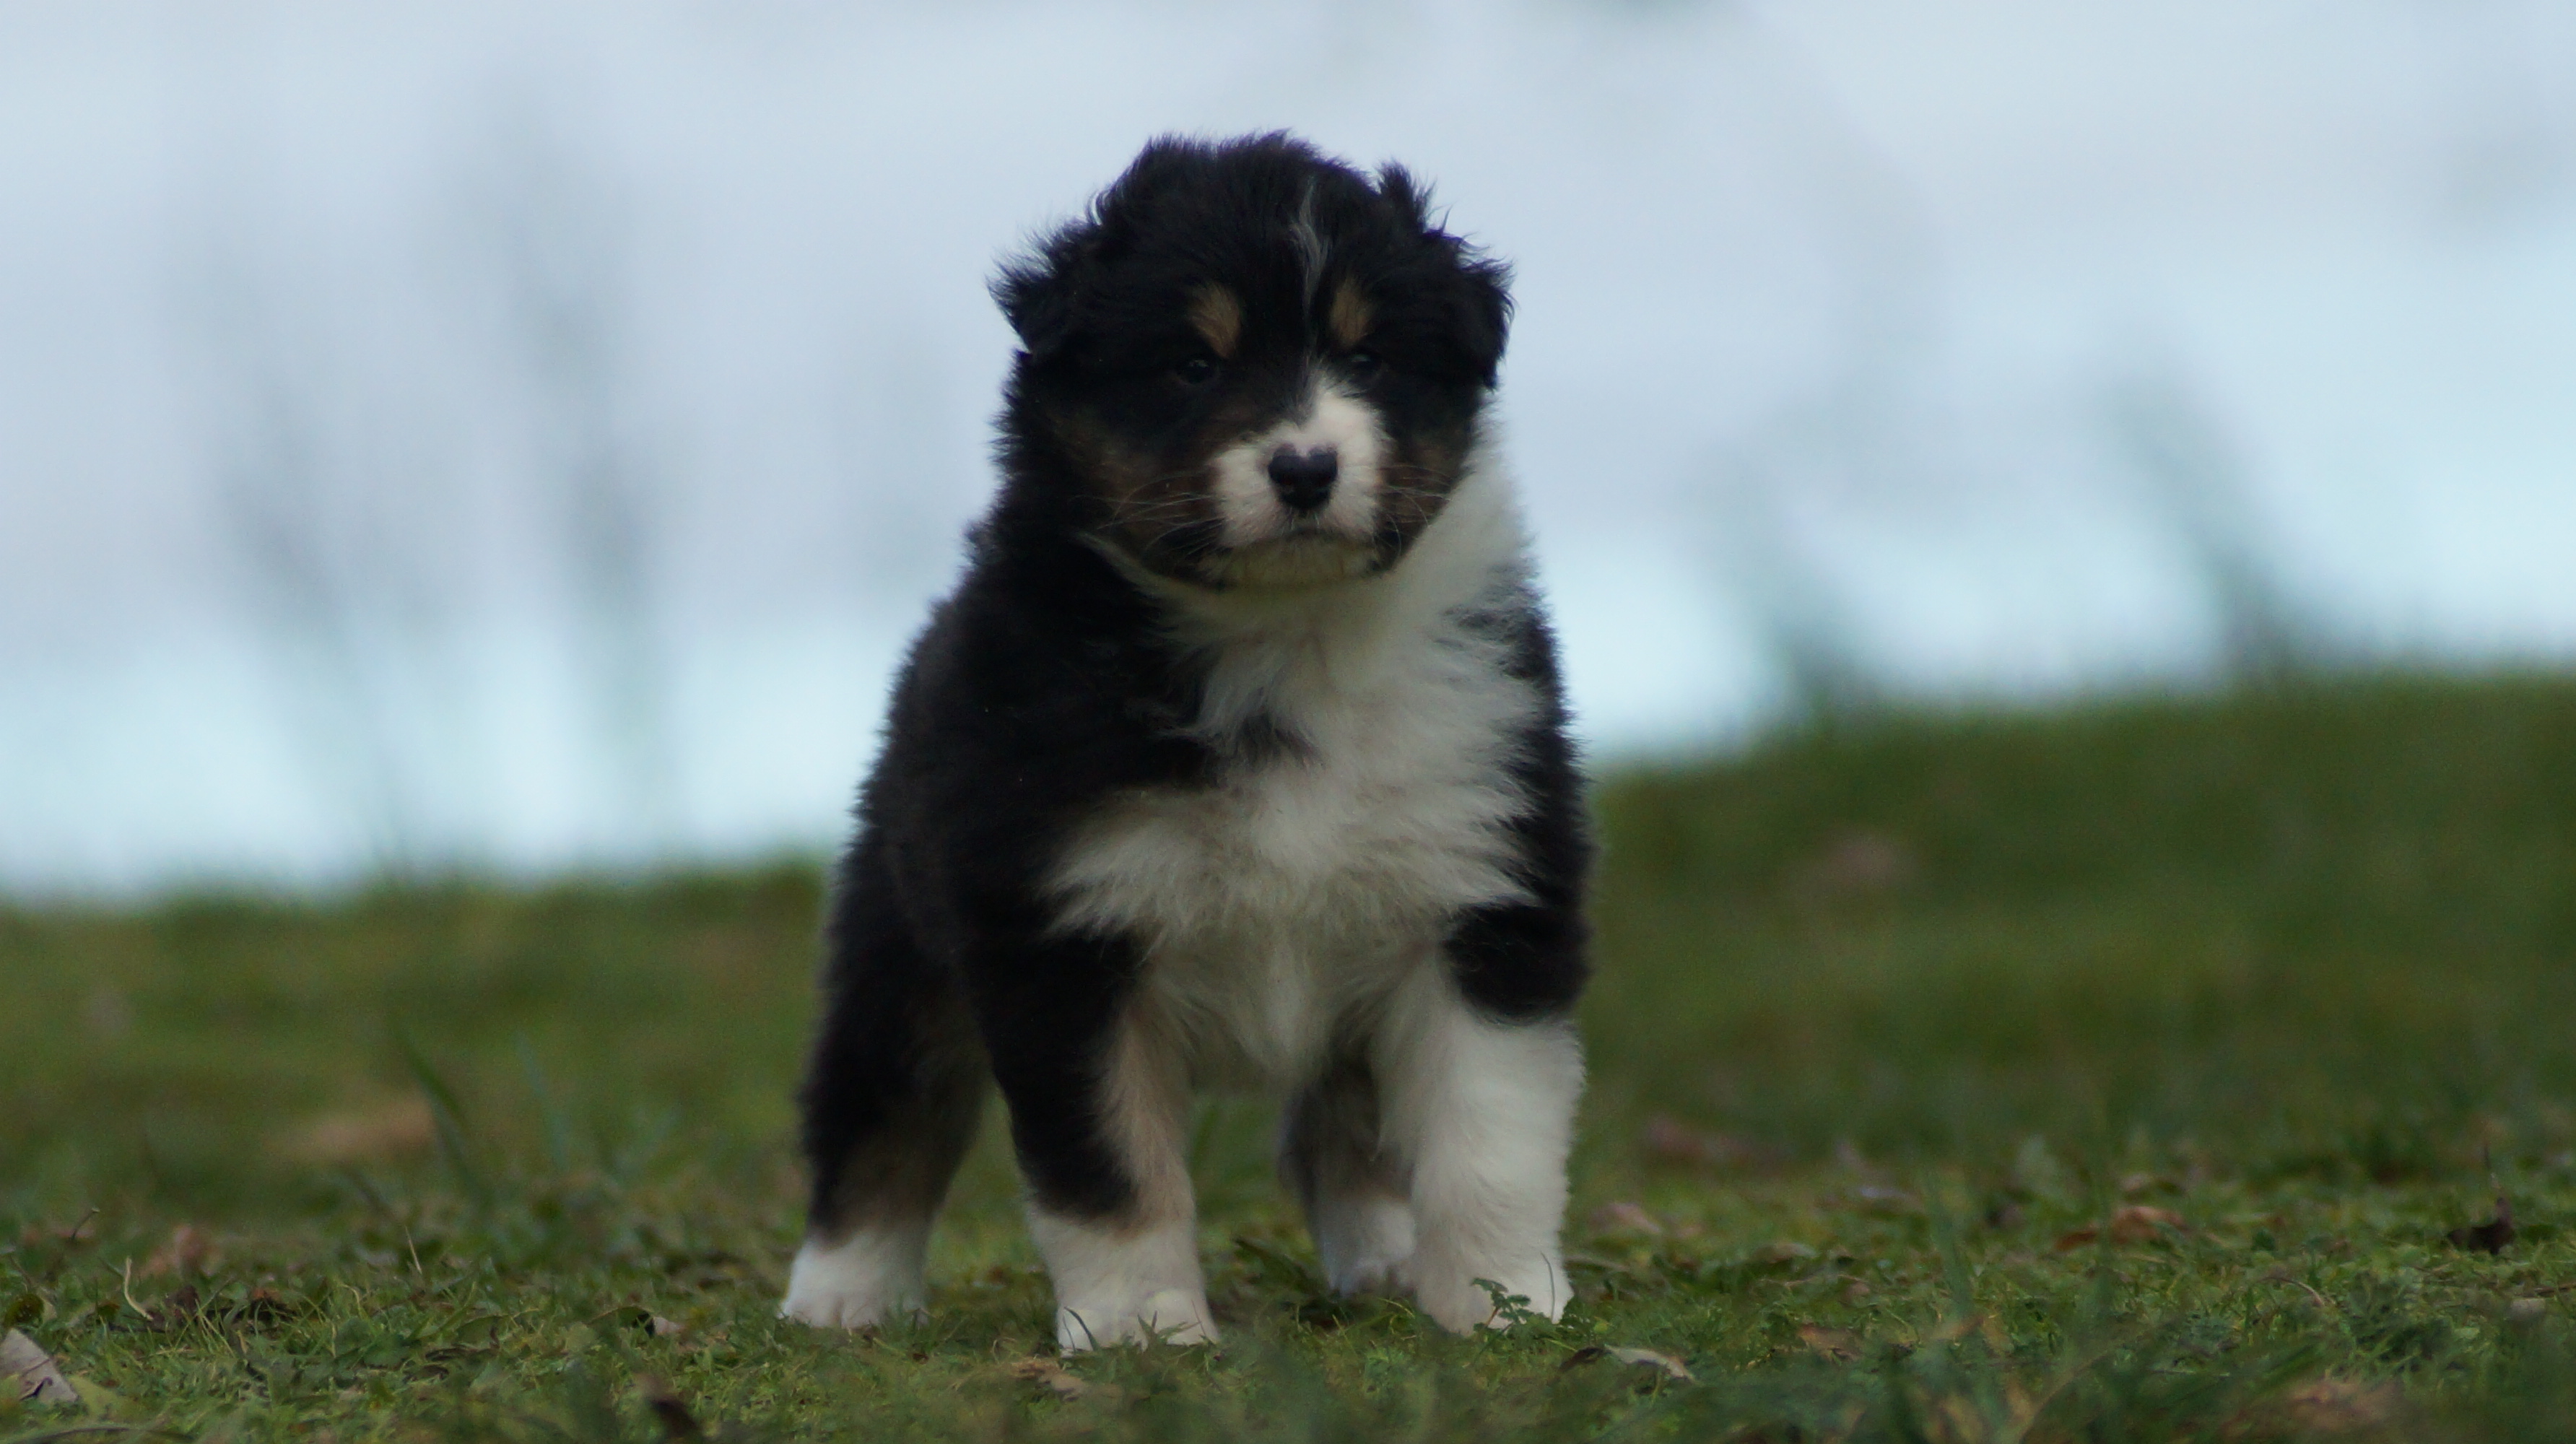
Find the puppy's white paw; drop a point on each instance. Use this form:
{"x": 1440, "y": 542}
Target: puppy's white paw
{"x": 1448, "y": 1291}
{"x": 1173, "y": 1316}
{"x": 1387, "y": 1276}
{"x": 1366, "y": 1243}
{"x": 867, "y": 1279}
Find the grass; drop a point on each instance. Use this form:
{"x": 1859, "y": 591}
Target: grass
{"x": 2116, "y": 1074}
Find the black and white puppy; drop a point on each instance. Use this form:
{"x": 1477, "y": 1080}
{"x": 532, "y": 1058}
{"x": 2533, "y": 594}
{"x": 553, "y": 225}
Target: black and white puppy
{"x": 1238, "y": 756}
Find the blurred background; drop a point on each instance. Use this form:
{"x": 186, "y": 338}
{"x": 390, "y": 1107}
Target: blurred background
{"x": 2060, "y": 516}
{"x": 512, "y": 438}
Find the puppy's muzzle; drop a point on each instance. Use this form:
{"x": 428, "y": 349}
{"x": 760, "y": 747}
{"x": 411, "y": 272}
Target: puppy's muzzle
{"x": 1304, "y": 479}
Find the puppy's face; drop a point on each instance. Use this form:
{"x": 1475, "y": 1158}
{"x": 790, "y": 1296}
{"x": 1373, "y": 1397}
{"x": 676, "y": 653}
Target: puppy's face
{"x": 1264, "y": 368}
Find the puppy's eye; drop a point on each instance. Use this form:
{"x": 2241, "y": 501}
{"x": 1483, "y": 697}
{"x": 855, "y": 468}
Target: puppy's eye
{"x": 1196, "y": 371}
{"x": 1363, "y": 365}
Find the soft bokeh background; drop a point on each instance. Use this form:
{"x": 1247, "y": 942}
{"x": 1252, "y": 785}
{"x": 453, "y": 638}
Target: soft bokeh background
{"x": 519, "y": 437}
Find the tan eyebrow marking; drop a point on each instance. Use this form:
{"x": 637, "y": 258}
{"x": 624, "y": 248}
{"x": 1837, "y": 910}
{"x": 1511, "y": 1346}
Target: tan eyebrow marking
{"x": 1350, "y": 317}
{"x": 1219, "y": 318}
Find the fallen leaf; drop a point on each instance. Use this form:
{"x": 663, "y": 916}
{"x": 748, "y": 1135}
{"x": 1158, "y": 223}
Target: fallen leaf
{"x": 1669, "y": 1140}
{"x": 189, "y": 1251}
{"x": 1050, "y": 1375}
{"x": 387, "y": 1130}
{"x": 29, "y": 1374}
{"x": 1832, "y": 1343}
{"x": 2329, "y": 1405}
{"x": 37, "y": 1235}
{"x": 2139, "y": 1223}
{"x": 1670, "y": 1367}
{"x": 1950, "y": 1331}
{"x": 2136, "y": 1223}
{"x": 673, "y": 1415}
{"x": 667, "y": 1329}
{"x": 1624, "y": 1217}
{"x": 181, "y": 1306}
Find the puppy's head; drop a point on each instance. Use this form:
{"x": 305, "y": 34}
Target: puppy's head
{"x": 1264, "y": 367}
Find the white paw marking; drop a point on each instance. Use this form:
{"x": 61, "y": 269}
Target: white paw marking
{"x": 1171, "y": 1316}
{"x": 1123, "y": 1286}
{"x": 1448, "y": 1291}
{"x": 1366, "y": 1244}
{"x": 861, "y": 1282}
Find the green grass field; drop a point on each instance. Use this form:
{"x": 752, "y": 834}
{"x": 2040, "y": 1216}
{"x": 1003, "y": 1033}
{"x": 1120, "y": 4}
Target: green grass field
{"x": 2114, "y": 1074}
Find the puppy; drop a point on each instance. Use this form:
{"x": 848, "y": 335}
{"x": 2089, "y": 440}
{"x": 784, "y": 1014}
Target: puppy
{"x": 1238, "y": 756}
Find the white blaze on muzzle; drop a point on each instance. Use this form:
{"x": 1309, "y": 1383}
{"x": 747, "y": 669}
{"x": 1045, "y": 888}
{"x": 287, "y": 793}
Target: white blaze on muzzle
{"x": 1249, "y": 502}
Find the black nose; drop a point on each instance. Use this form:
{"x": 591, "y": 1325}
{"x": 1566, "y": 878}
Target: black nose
{"x": 1304, "y": 479}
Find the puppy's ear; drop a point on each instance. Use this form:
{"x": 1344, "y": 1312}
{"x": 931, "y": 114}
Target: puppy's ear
{"x": 1036, "y": 292}
{"x": 1411, "y": 198}
{"x": 1163, "y": 163}
{"x": 1484, "y": 311}
{"x": 1042, "y": 293}
{"x": 1480, "y": 300}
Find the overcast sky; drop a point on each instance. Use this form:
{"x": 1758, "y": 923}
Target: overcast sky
{"x": 521, "y": 435}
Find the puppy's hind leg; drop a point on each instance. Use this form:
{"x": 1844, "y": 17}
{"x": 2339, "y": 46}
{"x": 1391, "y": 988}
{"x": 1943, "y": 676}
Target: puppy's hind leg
{"x": 890, "y": 1105}
{"x": 1351, "y": 1182}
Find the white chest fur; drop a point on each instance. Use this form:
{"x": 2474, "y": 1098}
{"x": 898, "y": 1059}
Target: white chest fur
{"x": 1278, "y": 903}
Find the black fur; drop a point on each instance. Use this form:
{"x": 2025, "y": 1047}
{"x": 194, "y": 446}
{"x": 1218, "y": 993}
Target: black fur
{"x": 1045, "y": 684}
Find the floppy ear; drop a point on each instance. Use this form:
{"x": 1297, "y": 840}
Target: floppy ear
{"x": 1480, "y": 300}
{"x": 1484, "y": 311}
{"x": 1041, "y": 293}
{"x": 1411, "y": 199}
{"x": 1036, "y": 292}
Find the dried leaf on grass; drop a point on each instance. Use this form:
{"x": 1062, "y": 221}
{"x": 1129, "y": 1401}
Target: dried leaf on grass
{"x": 1832, "y": 1343}
{"x": 1052, "y": 1376}
{"x": 1665, "y": 1367}
{"x": 1667, "y": 1139}
{"x": 1625, "y": 1217}
{"x": 391, "y": 1129}
{"x": 37, "y": 1235}
{"x": 1670, "y": 1367}
{"x": 29, "y": 1374}
{"x": 2137, "y": 1223}
{"x": 189, "y": 1251}
{"x": 2329, "y": 1405}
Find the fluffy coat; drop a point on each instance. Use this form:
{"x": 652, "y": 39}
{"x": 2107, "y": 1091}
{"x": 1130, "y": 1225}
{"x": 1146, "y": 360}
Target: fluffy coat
{"x": 1239, "y": 757}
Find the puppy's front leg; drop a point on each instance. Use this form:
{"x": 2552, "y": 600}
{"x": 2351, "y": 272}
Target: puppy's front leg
{"x": 1099, "y": 1106}
{"x": 1484, "y": 1108}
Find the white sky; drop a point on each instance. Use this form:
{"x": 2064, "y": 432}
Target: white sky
{"x": 1824, "y": 307}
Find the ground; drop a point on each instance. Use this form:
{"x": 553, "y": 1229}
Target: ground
{"x": 2137, "y": 1072}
